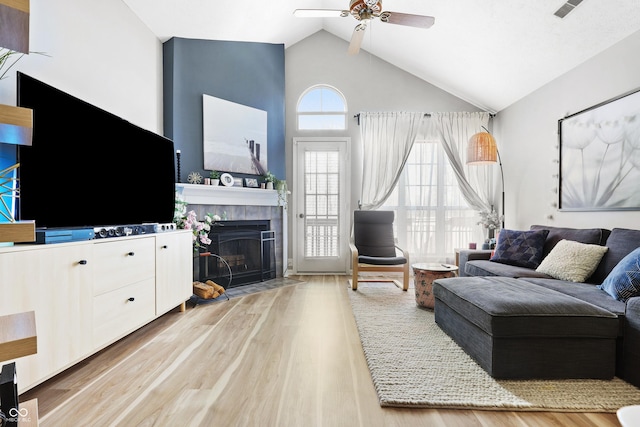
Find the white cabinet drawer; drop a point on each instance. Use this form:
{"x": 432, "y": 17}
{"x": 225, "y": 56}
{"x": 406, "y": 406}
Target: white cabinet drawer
{"x": 123, "y": 310}
{"x": 118, "y": 264}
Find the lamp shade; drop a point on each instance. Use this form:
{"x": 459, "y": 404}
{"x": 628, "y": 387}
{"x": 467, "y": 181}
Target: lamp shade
{"x": 482, "y": 149}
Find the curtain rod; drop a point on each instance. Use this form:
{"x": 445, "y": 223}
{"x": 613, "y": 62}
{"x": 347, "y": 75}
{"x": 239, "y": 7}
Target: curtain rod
{"x": 357, "y": 116}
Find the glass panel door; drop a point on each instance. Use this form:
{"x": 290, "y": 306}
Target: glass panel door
{"x": 321, "y": 234}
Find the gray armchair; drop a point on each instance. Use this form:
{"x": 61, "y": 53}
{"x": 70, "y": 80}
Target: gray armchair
{"x": 374, "y": 249}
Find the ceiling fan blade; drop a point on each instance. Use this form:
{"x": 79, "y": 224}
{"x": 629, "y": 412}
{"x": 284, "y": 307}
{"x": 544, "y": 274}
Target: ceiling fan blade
{"x": 419, "y": 21}
{"x": 320, "y": 13}
{"x": 356, "y": 38}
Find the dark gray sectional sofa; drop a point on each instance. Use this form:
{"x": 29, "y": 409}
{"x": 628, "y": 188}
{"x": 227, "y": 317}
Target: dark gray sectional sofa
{"x": 476, "y": 309}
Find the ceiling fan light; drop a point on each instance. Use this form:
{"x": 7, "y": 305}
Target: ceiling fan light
{"x": 482, "y": 149}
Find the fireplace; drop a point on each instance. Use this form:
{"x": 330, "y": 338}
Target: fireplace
{"x": 242, "y": 252}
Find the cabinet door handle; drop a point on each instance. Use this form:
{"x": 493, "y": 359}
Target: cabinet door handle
{"x": 82, "y": 262}
{"x": 164, "y": 246}
{"x": 131, "y": 299}
{"x": 131, "y": 253}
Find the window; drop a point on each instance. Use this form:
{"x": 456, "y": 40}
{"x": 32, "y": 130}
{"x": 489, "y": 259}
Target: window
{"x": 322, "y": 108}
{"x": 322, "y": 203}
{"x": 432, "y": 217}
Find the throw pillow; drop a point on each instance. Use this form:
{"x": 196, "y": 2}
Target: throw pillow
{"x": 520, "y": 248}
{"x": 624, "y": 280}
{"x": 572, "y": 261}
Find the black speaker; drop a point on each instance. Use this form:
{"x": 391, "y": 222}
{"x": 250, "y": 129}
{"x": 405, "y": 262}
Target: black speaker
{"x": 9, "y": 394}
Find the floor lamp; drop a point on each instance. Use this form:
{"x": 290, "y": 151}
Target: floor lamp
{"x": 482, "y": 150}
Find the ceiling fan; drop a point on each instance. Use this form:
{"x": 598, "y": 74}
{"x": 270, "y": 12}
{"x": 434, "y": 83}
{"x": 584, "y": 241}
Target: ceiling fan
{"x": 364, "y": 11}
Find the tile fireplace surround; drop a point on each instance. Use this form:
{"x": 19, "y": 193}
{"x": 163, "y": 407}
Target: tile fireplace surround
{"x": 241, "y": 203}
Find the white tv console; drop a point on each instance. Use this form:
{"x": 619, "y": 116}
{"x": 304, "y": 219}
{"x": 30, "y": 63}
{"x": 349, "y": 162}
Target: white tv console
{"x": 88, "y": 294}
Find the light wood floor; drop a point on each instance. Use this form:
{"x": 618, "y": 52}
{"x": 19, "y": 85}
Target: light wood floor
{"x": 284, "y": 357}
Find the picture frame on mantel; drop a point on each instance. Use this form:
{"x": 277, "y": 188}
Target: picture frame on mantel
{"x": 251, "y": 182}
{"x": 600, "y": 156}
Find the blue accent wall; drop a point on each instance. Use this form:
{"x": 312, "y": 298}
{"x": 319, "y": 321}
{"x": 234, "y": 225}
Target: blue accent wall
{"x": 246, "y": 73}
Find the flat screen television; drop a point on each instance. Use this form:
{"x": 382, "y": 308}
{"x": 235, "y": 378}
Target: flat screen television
{"x": 87, "y": 167}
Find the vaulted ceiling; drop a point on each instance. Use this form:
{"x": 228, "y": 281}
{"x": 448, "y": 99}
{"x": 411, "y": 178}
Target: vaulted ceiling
{"x": 488, "y": 52}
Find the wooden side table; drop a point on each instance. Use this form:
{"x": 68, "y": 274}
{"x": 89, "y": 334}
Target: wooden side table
{"x": 423, "y": 276}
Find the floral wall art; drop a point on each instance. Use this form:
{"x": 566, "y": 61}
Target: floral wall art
{"x": 600, "y": 156}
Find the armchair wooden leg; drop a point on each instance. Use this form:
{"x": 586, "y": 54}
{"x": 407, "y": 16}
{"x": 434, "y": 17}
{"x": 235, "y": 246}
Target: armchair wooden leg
{"x": 354, "y": 277}
{"x": 405, "y": 279}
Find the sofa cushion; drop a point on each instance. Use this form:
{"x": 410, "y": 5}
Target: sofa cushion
{"x": 621, "y": 242}
{"x": 490, "y": 268}
{"x": 593, "y": 236}
{"x": 572, "y": 261}
{"x": 584, "y": 291}
{"x": 521, "y": 248}
{"x": 624, "y": 280}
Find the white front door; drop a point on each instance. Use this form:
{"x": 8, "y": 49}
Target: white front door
{"x": 321, "y": 212}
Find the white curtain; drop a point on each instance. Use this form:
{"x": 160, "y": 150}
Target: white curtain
{"x": 387, "y": 138}
{"x": 439, "y": 197}
{"x": 453, "y": 130}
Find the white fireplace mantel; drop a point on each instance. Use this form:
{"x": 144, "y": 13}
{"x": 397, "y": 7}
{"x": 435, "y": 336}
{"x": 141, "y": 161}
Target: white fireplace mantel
{"x": 198, "y": 194}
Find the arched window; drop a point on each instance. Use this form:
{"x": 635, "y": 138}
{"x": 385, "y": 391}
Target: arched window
{"x": 322, "y": 108}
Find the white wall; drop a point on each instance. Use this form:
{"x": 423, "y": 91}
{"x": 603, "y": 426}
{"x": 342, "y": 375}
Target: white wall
{"x": 99, "y": 52}
{"x": 527, "y": 136}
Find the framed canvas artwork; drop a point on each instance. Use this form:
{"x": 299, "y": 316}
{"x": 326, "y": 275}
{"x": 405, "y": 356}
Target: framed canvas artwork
{"x": 600, "y": 156}
{"x": 234, "y": 137}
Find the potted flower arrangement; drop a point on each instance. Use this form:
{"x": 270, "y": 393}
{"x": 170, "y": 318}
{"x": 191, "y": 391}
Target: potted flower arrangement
{"x": 189, "y": 221}
{"x": 491, "y": 221}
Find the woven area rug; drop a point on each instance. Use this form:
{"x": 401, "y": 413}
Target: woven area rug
{"x": 414, "y": 364}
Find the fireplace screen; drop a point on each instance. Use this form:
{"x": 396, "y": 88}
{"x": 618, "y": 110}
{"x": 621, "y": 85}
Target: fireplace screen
{"x": 245, "y": 253}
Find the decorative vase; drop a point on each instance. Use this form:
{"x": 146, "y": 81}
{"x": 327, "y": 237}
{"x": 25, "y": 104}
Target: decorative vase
{"x": 492, "y": 233}
{"x": 269, "y": 185}
{"x": 215, "y": 182}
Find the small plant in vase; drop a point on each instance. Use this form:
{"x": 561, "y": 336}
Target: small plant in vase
{"x": 270, "y": 180}
{"x": 215, "y": 177}
{"x": 278, "y": 184}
